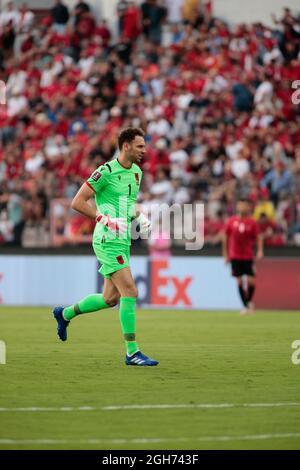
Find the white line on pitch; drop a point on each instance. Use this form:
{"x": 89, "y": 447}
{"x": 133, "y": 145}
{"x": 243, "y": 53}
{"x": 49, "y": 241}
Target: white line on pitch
{"x": 199, "y": 405}
{"x": 151, "y": 407}
{"x": 252, "y": 437}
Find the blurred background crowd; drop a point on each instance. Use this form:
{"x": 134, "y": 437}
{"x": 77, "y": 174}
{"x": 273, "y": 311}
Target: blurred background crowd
{"x": 217, "y": 102}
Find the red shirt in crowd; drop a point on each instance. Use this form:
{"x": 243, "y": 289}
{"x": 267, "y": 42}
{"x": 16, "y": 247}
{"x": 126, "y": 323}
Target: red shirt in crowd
{"x": 131, "y": 23}
{"x": 242, "y": 233}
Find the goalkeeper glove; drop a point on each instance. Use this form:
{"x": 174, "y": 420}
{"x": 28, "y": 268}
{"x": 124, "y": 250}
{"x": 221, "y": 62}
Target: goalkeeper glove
{"x": 144, "y": 223}
{"x": 115, "y": 225}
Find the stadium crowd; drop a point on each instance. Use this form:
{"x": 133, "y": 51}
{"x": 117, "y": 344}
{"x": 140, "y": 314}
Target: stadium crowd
{"x": 216, "y": 100}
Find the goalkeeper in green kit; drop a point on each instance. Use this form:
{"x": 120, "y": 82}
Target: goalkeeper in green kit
{"x": 115, "y": 186}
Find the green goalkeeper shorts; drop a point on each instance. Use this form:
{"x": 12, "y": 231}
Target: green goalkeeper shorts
{"x": 112, "y": 256}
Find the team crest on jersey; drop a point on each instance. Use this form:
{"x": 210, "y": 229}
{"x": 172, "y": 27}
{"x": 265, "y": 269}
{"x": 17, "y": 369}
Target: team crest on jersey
{"x": 137, "y": 178}
{"x": 120, "y": 259}
{"x": 96, "y": 175}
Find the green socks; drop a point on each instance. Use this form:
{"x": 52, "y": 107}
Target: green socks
{"x": 95, "y": 302}
{"x": 127, "y": 319}
{"x": 91, "y": 303}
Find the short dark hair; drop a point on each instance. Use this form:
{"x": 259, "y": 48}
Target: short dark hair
{"x": 128, "y": 135}
{"x": 243, "y": 199}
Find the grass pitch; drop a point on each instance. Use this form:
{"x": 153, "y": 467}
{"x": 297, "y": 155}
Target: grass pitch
{"x": 223, "y": 382}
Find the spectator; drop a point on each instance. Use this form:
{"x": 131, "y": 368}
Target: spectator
{"x": 264, "y": 92}
{"x": 131, "y": 23}
{"x": 9, "y": 16}
{"x": 174, "y": 11}
{"x": 7, "y": 39}
{"x": 178, "y": 193}
{"x": 270, "y": 231}
{"x": 264, "y": 206}
{"x": 233, "y": 147}
{"x": 24, "y": 28}
{"x": 153, "y": 16}
{"x": 157, "y": 156}
{"x": 279, "y": 180}
{"x": 103, "y": 32}
{"x": 16, "y": 103}
{"x": 240, "y": 167}
{"x": 60, "y": 16}
{"x": 122, "y": 6}
{"x": 80, "y": 7}
{"x": 190, "y": 10}
{"x": 214, "y": 229}
{"x": 26, "y": 19}
{"x": 162, "y": 187}
{"x": 158, "y": 126}
{"x": 86, "y": 25}
{"x": 178, "y": 159}
{"x": 242, "y": 96}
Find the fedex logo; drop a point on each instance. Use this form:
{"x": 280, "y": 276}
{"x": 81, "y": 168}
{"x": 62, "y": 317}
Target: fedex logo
{"x": 158, "y": 287}
{"x": 160, "y": 279}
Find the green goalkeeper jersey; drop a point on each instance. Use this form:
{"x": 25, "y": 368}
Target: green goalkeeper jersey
{"x": 116, "y": 189}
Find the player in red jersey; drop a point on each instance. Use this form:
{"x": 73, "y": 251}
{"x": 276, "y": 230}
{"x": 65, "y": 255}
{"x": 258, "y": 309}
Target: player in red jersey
{"x": 240, "y": 236}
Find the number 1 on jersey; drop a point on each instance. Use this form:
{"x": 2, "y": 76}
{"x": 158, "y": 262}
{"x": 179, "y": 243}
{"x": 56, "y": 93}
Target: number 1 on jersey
{"x": 129, "y": 186}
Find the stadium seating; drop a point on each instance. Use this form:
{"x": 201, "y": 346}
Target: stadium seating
{"x": 216, "y": 103}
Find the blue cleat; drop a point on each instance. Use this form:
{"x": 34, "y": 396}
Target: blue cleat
{"x": 62, "y": 324}
{"x": 139, "y": 359}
